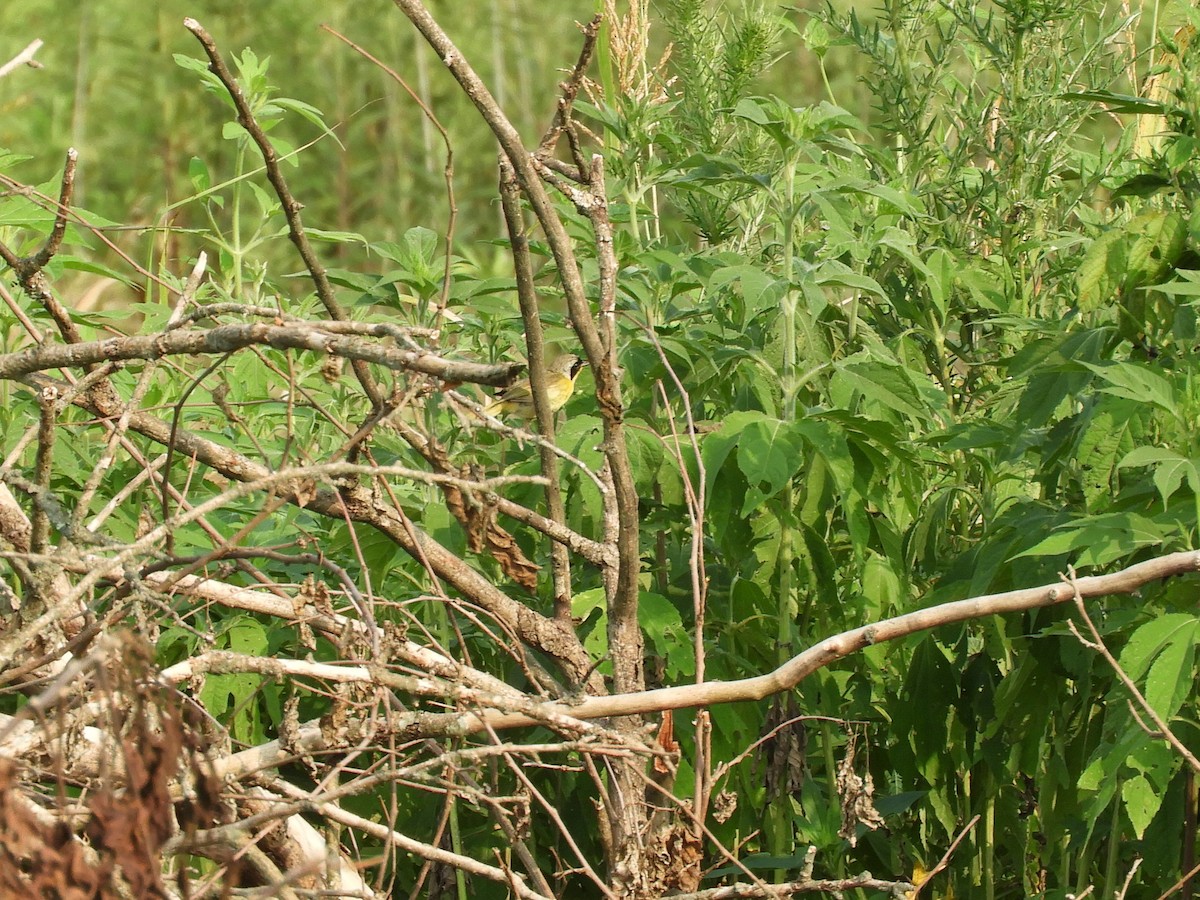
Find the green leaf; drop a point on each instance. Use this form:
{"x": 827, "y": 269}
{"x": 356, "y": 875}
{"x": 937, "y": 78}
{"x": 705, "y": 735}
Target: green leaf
{"x": 1101, "y": 539}
{"x": 1186, "y": 284}
{"x": 1135, "y": 382}
{"x": 96, "y": 268}
{"x": 1156, "y": 241}
{"x": 769, "y": 453}
{"x": 816, "y": 36}
{"x": 588, "y": 607}
{"x": 1172, "y": 674}
{"x": 336, "y": 237}
{"x": 759, "y": 289}
{"x": 1107, "y": 436}
{"x": 884, "y": 385}
{"x": 1101, "y": 272}
{"x": 1140, "y": 253}
{"x": 832, "y": 273}
{"x": 1141, "y": 803}
{"x": 665, "y": 632}
{"x": 1170, "y": 469}
{"x": 1123, "y": 103}
{"x": 1149, "y": 639}
{"x": 198, "y": 174}
{"x": 717, "y": 445}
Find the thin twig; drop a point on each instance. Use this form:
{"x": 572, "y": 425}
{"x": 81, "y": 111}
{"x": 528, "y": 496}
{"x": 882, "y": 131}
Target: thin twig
{"x": 945, "y": 860}
{"x": 447, "y": 171}
{"x": 291, "y": 206}
{"x": 1097, "y": 644}
{"x": 531, "y": 318}
{"x": 24, "y": 58}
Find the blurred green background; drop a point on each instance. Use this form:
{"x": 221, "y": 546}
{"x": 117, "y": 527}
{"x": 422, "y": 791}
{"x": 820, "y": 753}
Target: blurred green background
{"x": 111, "y": 89}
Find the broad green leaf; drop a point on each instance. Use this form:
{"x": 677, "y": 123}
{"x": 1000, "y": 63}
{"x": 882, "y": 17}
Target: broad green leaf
{"x": 1186, "y": 284}
{"x": 1156, "y": 241}
{"x": 222, "y": 694}
{"x": 199, "y": 175}
{"x": 887, "y": 386}
{"x": 1141, "y": 803}
{"x": 1149, "y": 639}
{"x": 718, "y": 444}
{"x": 1172, "y": 675}
{"x": 1139, "y": 253}
{"x": 880, "y": 586}
{"x": 1148, "y": 456}
{"x": 903, "y": 202}
{"x": 1101, "y": 539}
{"x": 588, "y": 608}
{"x": 769, "y": 453}
{"x": 942, "y": 269}
{"x": 1135, "y": 382}
{"x": 666, "y": 634}
{"x": 1106, "y": 438}
{"x": 758, "y": 289}
{"x": 836, "y": 274}
{"x": 1170, "y": 469}
{"x": 1101, "y": 273}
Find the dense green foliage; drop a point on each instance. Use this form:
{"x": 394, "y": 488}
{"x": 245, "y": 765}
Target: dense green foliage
{"x": 949, "y": 355}
{"x": 939, "y": 346}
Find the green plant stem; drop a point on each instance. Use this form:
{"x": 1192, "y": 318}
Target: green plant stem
{"x": 236, "y": 248}
{"x": 1110, "y": 881}
{"x": 460, "y": 877}
{"x": 989, "y": 841}
{"x": 827, "y": 744}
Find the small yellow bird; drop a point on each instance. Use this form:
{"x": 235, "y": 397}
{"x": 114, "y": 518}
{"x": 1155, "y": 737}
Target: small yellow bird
{"x": 517, "y": 398}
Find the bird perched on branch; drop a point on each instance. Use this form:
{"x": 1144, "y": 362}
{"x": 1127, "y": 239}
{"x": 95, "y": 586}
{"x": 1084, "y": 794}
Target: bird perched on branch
{"x": 517, "y": 398}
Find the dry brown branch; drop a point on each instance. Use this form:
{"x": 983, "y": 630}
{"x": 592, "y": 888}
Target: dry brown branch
{"x": 1097, "y": 644}
{"x": 623, "y": 587}
{"x": 518, "y": 239}
{"x": 291, "y": 206}
{"x": 799, "y": 667}
{"x": 24, "y": 58}
{"x": 834, "y": 886}
{"x": 945, "y": 860}
{"x": 228, "y": 338}
{"x": 29, "y": 269}
{"x": 447, "y": 170}
{"x": 569, "y": 89}
{"x": 417, "y": 848}
{"x": 357, "y": 503}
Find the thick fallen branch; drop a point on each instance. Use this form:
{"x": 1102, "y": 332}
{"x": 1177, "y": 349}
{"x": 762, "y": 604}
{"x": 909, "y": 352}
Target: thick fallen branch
{"x": 799, "y": 667}
{"x": 227, "y": 338}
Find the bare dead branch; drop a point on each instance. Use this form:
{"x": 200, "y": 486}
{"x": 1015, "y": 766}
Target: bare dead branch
{"x": 291, "y": 206}
{"x": 623, "y": 589}
{"x": 1097, "y": 643}
{"x": 358, "y": 504}
{"x": 569, "y": 89}
{"x": 945, "y": 860}
{"x": 531, "y": 317}
{"x": 229, "y": 338}
{"x": 24, "y": 58}
{"x": 447, "y": 171}
{"x": 799, "y": 667}
{"x": 29, "y": 269}
{"x": 834, "y": 886}
{"x": 417, "y": 848}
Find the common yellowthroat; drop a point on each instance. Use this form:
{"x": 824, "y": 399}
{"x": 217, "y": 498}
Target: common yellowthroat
{"x": 517, "y": 398}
